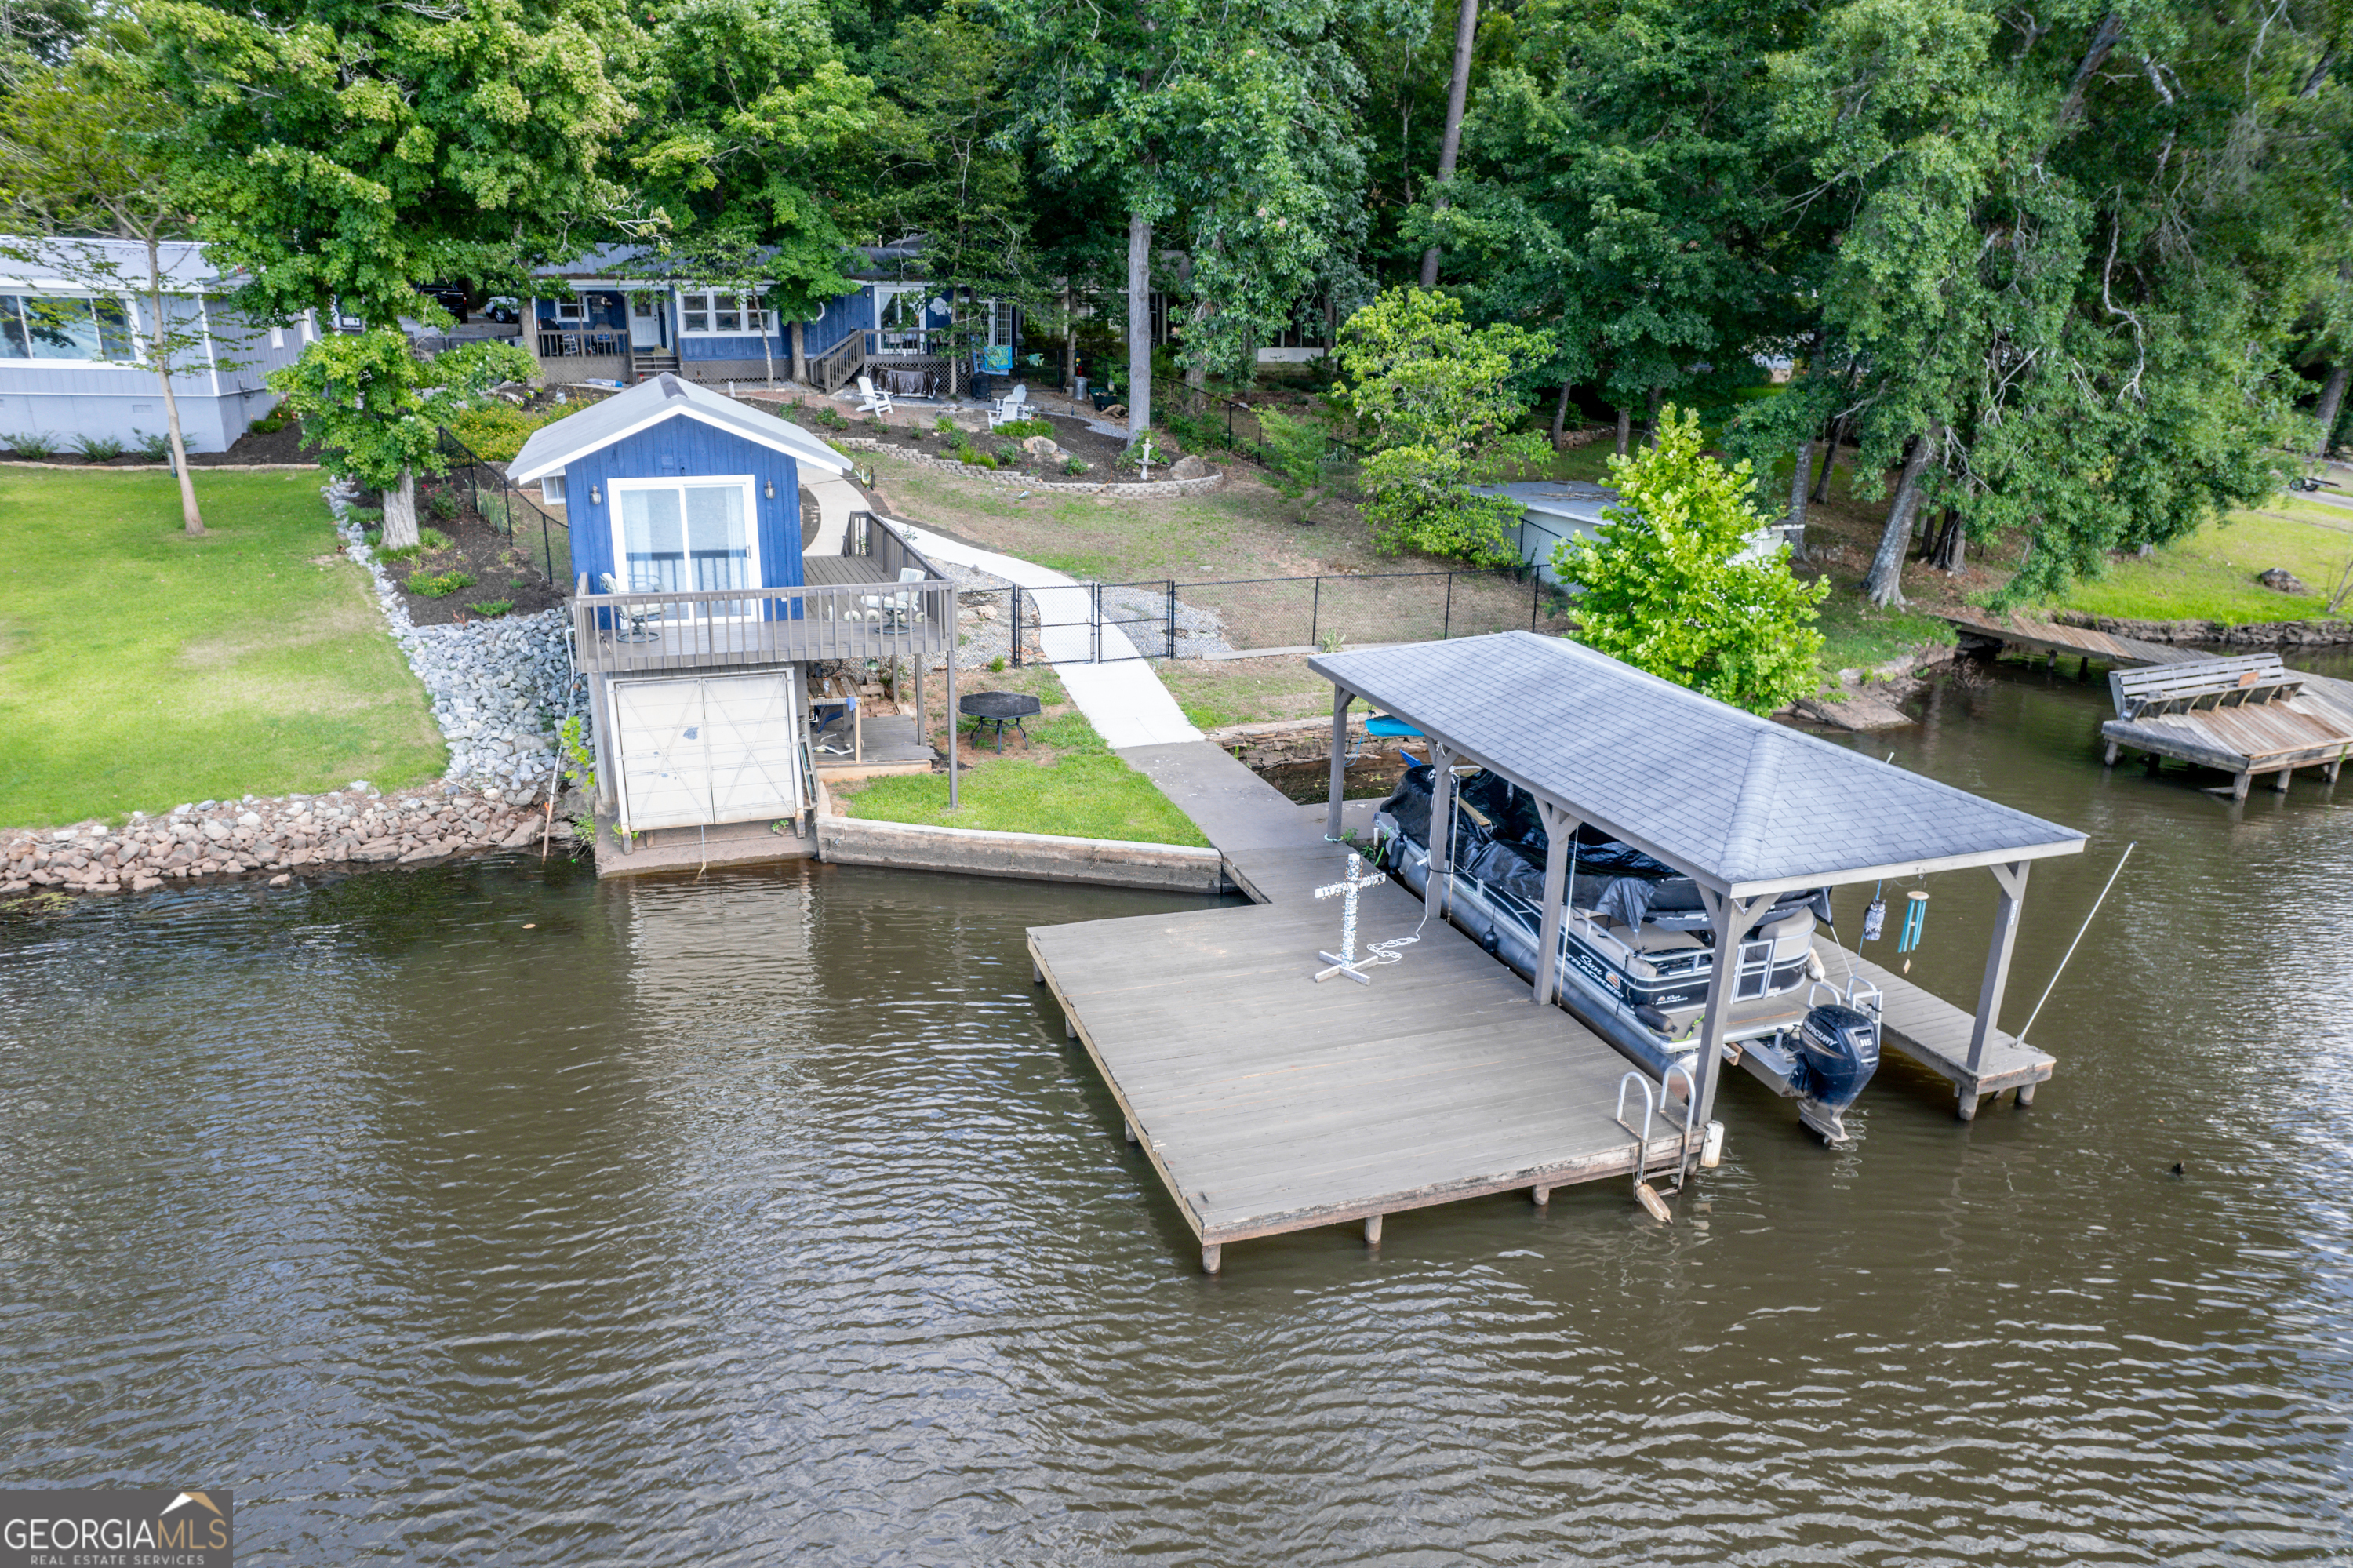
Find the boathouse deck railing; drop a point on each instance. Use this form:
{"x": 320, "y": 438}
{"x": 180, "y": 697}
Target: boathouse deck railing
{"x": 885, "y": 618}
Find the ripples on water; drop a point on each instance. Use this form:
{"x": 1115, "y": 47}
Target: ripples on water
{"x": 769, "y": 1217}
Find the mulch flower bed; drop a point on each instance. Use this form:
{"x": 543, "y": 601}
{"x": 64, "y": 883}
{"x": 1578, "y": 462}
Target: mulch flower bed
{"x": 254, "y": 446}
{"x": 501, "y": 567}
{"x": 1103, "y": 453}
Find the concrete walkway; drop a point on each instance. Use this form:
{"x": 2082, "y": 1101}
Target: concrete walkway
{"x": 1124, "y": 699}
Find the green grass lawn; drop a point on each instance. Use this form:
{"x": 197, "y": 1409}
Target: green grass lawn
{"x": 140, "y": 668}
{"x": 1071, "y": 785}
{"x": 1857, "y": 634}
{"x": 2211, "y": 576}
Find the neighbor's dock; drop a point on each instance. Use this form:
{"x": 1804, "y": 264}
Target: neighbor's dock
{"x": 1270, "y": 1104}
{"x": 2244, "y": 715}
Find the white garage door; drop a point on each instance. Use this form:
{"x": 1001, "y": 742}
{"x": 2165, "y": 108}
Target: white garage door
{"x": 707, "y": 749}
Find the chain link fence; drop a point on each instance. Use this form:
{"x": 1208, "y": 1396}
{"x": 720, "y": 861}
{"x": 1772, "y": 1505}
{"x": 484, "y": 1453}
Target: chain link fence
{"x": 484, "y": 495}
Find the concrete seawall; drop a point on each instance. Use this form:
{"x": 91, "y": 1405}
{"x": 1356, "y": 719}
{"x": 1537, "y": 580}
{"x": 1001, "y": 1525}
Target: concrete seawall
{"x": 1035, "y": 857}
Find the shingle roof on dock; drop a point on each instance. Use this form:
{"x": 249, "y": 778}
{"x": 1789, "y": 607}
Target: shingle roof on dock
{"x": 1737, "y": 801}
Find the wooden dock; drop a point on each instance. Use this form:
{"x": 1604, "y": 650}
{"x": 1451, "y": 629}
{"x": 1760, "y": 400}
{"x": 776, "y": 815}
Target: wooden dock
{"x": 2243, "y": 714}
{"x": 1913, "y": 1023}
{"x": 1268, "y": 1103}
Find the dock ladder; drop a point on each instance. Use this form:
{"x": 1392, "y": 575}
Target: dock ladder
{"x": 1660, "y": 1105}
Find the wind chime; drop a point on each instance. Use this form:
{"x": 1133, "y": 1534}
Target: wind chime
{"x": 1916, "y": 922}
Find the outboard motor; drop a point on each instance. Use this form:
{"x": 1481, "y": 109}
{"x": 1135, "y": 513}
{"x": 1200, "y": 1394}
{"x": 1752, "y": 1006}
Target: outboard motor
{"x": 1838, "y": 1049}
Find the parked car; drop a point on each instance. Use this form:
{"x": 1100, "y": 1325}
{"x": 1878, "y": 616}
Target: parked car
{"x": 450, "y": 297}
{"x": 504, "y": 309}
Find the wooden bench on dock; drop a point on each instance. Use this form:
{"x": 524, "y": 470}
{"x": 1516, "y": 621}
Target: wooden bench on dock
{"x": 2237, "y": 714}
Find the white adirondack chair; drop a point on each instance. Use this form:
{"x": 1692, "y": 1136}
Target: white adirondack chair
{"x": 870, "y": 401}
{"x": 1013, "y": 405}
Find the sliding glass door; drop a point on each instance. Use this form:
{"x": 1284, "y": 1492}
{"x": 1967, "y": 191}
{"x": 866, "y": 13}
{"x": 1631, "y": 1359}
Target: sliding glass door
{"x": 688, "y": 536}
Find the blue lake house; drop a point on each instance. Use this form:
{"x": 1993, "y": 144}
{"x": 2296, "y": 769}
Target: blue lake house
{"x": 609, "y": 317}
{"x": 725, "y": 622}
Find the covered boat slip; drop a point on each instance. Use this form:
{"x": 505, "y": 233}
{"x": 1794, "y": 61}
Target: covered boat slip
{"x": 1747, "y": 809}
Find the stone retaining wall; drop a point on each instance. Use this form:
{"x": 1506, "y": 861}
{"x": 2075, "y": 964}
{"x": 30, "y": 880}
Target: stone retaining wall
{"x": 351, "y": 827}
{"x": 2254, "y": 634}
{"x": 1014, "y": 479}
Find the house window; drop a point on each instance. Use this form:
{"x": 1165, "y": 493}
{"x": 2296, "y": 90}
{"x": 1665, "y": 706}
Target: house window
{"x": 687, "y": 536}
{"x": 551, "y": 490}
{"x": 572, "y": 312}
{"x": 277, "y": 337}
{"x": 899, "y": 316}
{"x": 715, "y": 313}
{"x": 66, "y": 326}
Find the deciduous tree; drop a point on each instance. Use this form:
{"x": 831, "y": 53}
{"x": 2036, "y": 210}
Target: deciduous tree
{"x": 1675, "y": 584}
{"x": 377, "y": 409}
{"x": 1433, "y": 396}
{"x": 92, "y": 149}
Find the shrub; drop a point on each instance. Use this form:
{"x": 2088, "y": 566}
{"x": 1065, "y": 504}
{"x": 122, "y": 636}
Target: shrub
{"x": 491, "y": 507}
{"x": 35, "y": 445}
{"x": 830, "y": 417}
{"x": 439, "y": 585}
{"x": 997, "y": 665}
{"x": 433, "y": 538}
{"x": 156, "y": 448}
{"x": 1296, "y": 458}
{"x": 973, "y": 457}
{"x": 1008, "y": 455}
{"x": 1670, "y": 586}
{"x": 99, "y": 449}
{"x": 272, "y": 422}
{"x": 388, "y": 554}
{"x": 1022, "y": 429}
{"x": 1198, "y": 432}
{"x": 946, "y": 425}
{"x": 494, "y": 430}
{"x": 1074, "y": 465}
{"x": 442, "y": 505}
{"x": 491, "y": 609}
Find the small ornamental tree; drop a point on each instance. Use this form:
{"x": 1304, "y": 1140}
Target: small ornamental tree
{"x": 1432, "y": 392}
{"x": 377, "y": 410}
{"x": 1669, "y": 590}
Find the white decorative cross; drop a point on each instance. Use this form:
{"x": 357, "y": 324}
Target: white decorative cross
{"x": 1345, "y": 962}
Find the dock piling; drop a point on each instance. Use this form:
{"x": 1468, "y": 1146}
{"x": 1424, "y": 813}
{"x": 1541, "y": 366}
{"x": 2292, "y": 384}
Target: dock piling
{"x": 1372, "y": 1230}
{"x": 1129, "y": 1128}
{"x": 1542, "y": 1195}
{"x": 1213, "y": 1257}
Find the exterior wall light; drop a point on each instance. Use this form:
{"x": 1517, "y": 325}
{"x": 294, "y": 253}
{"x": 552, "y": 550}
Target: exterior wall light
{"x": 772, "y": 490}
{"x": 596, "y": 496}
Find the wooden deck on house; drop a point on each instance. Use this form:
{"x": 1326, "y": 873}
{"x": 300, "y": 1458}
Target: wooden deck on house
{"x": 1268, "y": 1103}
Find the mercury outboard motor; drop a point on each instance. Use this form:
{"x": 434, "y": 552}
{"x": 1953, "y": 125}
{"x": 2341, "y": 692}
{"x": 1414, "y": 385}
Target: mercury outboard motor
{"x": 1838, "y": 1049}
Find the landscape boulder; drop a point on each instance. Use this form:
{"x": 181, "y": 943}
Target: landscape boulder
{"x": 1189, "y": 467}
{"x": 2279, "y": 579}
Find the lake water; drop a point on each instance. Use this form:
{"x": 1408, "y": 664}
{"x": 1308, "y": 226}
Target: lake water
{"x": 487, "y": 1214}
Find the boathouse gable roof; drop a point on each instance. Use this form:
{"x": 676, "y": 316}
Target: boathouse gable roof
{"x": 1744, "y": 805}
{"x": 666, "y": 396}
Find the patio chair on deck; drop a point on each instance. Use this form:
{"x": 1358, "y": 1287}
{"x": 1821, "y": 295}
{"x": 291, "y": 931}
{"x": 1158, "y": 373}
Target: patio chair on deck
{"x": 636, "y": 615}
{"x": 897, "y": 611}
{"x": 870, "y": 401}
